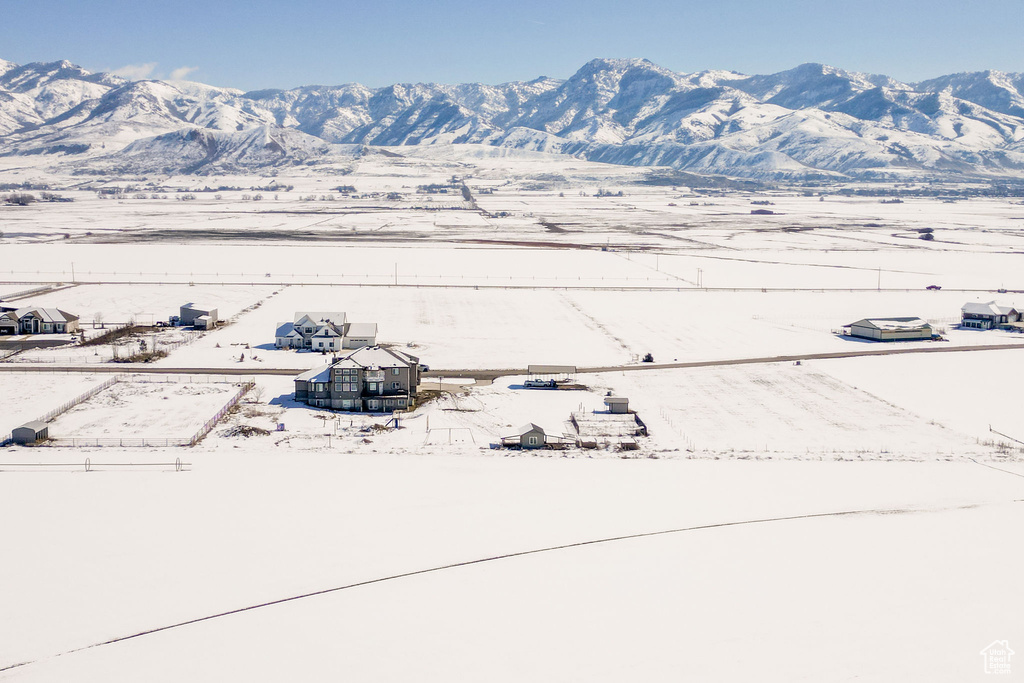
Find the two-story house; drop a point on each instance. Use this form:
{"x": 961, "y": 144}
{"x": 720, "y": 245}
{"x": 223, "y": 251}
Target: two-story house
{"x": 326, "y": 331}
{"x": 370, "y": 379}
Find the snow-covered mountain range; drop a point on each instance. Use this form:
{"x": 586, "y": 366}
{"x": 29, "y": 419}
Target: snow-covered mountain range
{"x": 809, "y": 121}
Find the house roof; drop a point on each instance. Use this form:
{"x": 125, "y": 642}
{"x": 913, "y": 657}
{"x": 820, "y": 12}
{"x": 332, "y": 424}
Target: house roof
{"x": 361, "y": 330}
{"x": 529, "y": 427}
{"x": 524, "y": 430}
{"x": 891, "y": 323}
{"x": 192, "y": 307}
{"x": 336, "y": 317}
{"x": 47, "y": 315}
{"x": 34, "y": 425}
{"x": 328, "y": 330}
{"x": 285, "y": 329}
{"x": 322, "y": 374}
{"x": 990, "y": 308}
{"x": 376, "y": 356}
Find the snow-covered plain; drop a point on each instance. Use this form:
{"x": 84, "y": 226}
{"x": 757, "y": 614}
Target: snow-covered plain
{"x": 910, "y": 587}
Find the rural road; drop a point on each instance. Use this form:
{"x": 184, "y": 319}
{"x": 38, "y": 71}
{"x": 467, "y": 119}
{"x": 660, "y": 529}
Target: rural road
{"x": 491, "y": 374}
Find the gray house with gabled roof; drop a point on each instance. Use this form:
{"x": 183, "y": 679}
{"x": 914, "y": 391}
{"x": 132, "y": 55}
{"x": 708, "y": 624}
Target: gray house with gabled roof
{"x": 369, "y": 379}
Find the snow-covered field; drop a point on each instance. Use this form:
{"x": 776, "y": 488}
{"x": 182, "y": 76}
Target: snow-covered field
{"x": 164, "y": 408}
{"x": 927, "y": 566}
{"x": 922, "y": 449}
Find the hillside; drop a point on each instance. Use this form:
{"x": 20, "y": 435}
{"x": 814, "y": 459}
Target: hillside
{"x": 810, "y": 121}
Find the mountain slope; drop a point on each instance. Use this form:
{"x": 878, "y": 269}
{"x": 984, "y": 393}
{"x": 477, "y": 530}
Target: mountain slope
{"x": 808, "y": 121}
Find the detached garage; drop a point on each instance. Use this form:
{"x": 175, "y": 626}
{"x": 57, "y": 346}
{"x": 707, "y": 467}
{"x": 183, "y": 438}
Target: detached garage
{"x": 891, "y": 329}
{"x": 30, "y": 432}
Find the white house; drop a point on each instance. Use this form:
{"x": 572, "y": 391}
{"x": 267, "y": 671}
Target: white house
{"x": 325, "y": 331}
{"x": 978, "y": 316}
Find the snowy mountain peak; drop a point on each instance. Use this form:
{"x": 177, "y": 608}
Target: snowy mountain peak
{"x": 811, "y": 120}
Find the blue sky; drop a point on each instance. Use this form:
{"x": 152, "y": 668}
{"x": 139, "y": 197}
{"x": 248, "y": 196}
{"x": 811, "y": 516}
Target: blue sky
{"x": 261, "y": 44}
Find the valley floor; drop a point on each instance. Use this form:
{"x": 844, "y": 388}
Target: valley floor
{"x": 836, "y": 519}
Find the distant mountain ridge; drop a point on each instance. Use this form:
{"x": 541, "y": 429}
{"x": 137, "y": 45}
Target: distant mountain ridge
{"x": 809, "y": 121}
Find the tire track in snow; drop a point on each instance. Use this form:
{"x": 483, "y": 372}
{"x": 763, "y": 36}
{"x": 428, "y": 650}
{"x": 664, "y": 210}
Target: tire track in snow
{"x": 496, "y": 558}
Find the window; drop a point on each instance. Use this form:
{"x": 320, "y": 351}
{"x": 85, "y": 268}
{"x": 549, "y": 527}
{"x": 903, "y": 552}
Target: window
{"x": 532, "y": 441}
{"x": 395, "y": 371}
{"x": 338, "y": 386}
{"x": 396, "y": 385}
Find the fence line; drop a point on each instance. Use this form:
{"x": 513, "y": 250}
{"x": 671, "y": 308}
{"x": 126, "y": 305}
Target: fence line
{"x": 205, "y": 429}
{"x": 130, "y": 442}
{"x": 143, "y": 442}
{"x": 84, "y": 397}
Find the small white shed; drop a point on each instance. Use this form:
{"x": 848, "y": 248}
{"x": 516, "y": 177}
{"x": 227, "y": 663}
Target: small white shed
{"x": 617, "y": 404}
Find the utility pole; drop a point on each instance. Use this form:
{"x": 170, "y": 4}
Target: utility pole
{"x": 72, "y": 272}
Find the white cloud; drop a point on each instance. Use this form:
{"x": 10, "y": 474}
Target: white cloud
{"x": 136, "y": 72}
{"x": 181, "y": 73}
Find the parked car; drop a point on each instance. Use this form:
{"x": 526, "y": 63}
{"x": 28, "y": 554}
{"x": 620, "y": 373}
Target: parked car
{"x": 540, "y": 384}
{"x": 424, "y": 367}
{"x": 934, "y": 288}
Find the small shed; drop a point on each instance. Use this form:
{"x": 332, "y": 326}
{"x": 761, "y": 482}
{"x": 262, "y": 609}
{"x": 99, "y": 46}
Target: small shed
{"x": 617, "y": 404}
{"x": 30, "y": 432}
{"x": 203, "y": 322}
{"x": 528, "y": 436}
